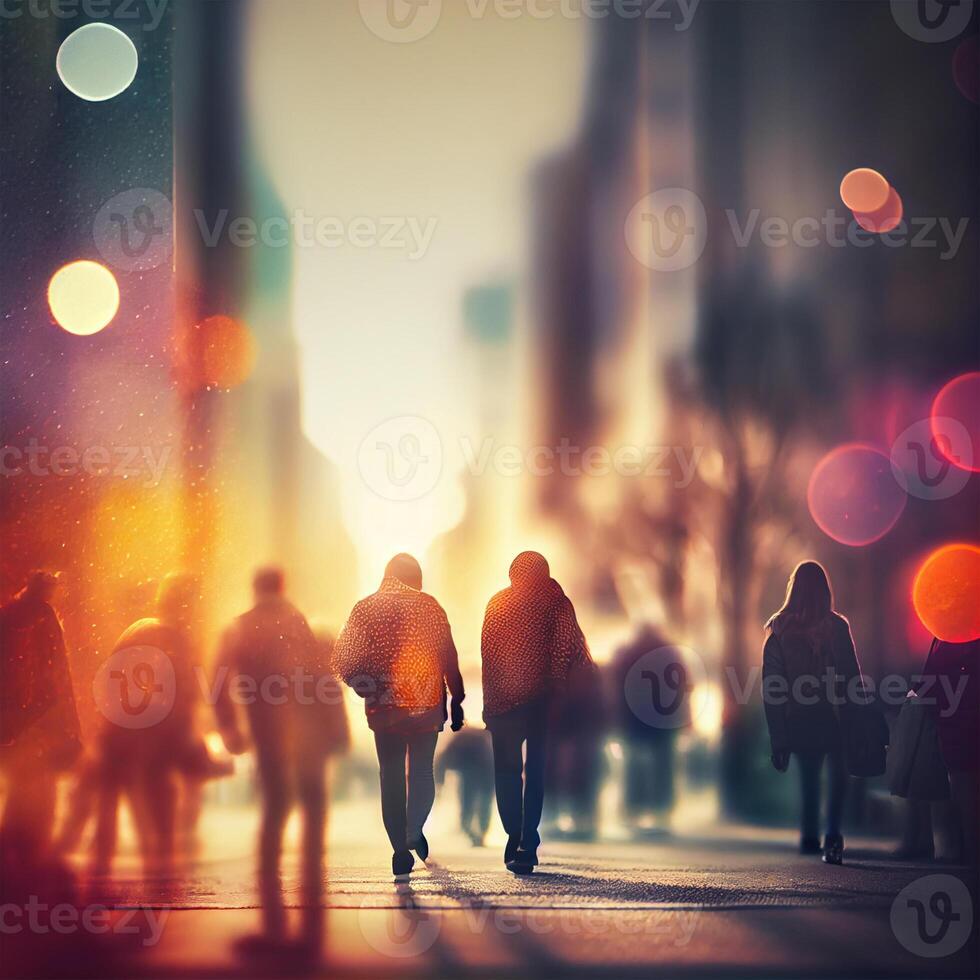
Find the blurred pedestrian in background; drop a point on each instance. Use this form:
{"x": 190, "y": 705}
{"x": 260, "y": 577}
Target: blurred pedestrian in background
{"x": 576, "y": 760}
{"x": 531, "y": 643}
{"x": 39, "y": 730}
{"x": 296, "y": 721}
{"x": 648, "y": 749}
{"x": 144, "y": 763}
{"x": 397, "y": 653}
{"x": 952, "y": 671}
{"x": 470, "y": 756}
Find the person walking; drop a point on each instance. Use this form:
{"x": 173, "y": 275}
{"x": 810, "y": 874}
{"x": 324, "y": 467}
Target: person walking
{"x": 271, "y": 651}
{"x": 40, "y": 735}
{"x": 808, "y": 663}
{"x": 530, "y": 644}
{"x": 469, "y": 755}
{"x": 397, "y": 652}
{"x": 153, "y": 659}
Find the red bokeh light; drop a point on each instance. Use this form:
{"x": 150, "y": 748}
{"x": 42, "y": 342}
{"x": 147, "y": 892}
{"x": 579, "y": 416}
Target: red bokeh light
{"x": 886, "y": 218}
{"x": 853, "y": 495}
{"x": 946, "y": 593}
{"x": 864, "y": 190}
{"x": 959, "y": 400}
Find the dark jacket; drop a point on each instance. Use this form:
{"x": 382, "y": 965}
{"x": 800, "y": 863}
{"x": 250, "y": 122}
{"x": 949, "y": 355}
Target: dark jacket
{"x": 953, "y": 671}
{"x": 808, "y": 677}
{"x": 397, "y": 652}
{"x": 294, "y": 703}
{"x": 37, "y": 703}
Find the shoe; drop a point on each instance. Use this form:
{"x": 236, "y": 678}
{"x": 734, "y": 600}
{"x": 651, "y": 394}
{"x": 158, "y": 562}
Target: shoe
{"x": 523, "y": 862}
{"x": 421, "y": 847}
{"x": 810, "y": 845}
{"x": 513, "y": 846}
{"x": 402, "y": 863}
{"x": 833, "y": 849}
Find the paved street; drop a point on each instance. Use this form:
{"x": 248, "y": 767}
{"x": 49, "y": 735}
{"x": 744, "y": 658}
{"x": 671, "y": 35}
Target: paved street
{"x": 741, "y": 903}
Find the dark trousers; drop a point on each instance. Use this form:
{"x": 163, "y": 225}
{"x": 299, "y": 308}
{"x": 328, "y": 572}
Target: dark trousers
{"x": 475, "y": 798}
{"x": 811, "y": 765}
{"x": 285, "y": 782}
{"x": 519, "y": 782}
{"x": 406, "y": 802}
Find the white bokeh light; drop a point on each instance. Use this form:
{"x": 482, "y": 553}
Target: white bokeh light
{"x": 97, "y": 62}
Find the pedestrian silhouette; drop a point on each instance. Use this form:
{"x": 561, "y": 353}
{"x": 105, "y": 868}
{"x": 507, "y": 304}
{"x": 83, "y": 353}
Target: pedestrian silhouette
{"x": 39, "y": 730}
{"x": 470, "y": 756}
{"x": 149, "y": 738}
{"x": 648, "y": 749}
{"x": 531, "y": 642}
{"x": 397, "y": 652}
{"x": 576, "y": 762}
{"x": 952, "y": 671}
{"x": 270, "y": 660}
{"x": 808, "y": 663}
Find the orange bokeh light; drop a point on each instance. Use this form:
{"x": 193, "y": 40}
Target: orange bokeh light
{"x": 885, "y": 219}
{"x": 864, "y": 190}
{"x": 946, "y": 593}
{"x": 959, "y": 400}
{"x": 219, "y": 352}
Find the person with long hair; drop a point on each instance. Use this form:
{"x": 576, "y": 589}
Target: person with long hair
{"x": 808, "y": 662}
{"x": 531, "y": 644}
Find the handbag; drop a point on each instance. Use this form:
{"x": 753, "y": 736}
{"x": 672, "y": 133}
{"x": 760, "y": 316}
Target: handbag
{"x": 916, "y": 770}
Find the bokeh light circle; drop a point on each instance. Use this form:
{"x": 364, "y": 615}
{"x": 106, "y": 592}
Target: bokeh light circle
{"x": 966, "y": 68}
{"x": 887, "y": 218}
{"x": 225, "y": 352}
{"x": 853, "y": 495}
{"x": 864, "y": 190}
{"x": 946, "y": 593}
{"x": 97, "y": 62}
{"x": 83, "y": 297}
{"x": 959, "y": 400}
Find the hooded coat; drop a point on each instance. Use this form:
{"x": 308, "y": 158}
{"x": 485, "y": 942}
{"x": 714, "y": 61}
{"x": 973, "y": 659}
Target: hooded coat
{"x": 531, "y": 639}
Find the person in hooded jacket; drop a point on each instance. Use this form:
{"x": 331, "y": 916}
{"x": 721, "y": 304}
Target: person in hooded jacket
{"x": 808, "y": 665}
{"x": 531, "y": 643}
{"x": 396, "y": 651}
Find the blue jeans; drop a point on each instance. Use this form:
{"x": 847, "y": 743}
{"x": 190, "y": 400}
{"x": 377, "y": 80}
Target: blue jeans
{"x": 405, "y": 803}
{"x": 519, "y": 782}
